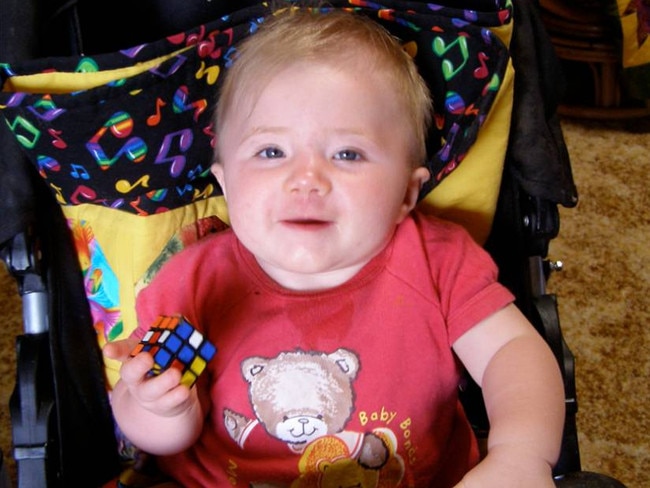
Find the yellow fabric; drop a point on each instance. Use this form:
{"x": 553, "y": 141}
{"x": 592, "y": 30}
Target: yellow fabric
{"x": 469, "y": 194}
{"x": 131, "y": 243}
{"x": 57, "y": 82}
{"x": 635, "y": 51}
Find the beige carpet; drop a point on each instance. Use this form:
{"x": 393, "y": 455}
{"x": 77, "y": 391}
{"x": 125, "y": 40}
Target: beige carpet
{"x": 603, "y": 292}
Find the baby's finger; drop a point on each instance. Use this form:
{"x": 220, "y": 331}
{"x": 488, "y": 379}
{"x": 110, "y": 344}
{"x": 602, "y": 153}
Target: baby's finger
{"x": 120, "y": 350}
{"x": 157, "y": 386}
{"x": 174, "y": 401}
{"x": 134, "y": 370}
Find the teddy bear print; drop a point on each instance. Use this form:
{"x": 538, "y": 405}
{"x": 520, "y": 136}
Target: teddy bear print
{"x": 301, "y": 397}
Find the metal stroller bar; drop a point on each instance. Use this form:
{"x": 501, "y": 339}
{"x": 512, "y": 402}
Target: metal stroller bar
{"x": 33, "y": 402}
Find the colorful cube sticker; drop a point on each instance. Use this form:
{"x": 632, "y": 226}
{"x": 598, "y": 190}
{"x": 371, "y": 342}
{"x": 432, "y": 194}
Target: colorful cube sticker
{"x": 175, "y": 343}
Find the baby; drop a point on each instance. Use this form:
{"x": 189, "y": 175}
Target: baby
{"x": 344, "y": 317}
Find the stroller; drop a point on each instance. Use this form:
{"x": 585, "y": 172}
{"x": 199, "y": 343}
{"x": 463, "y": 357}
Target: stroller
{"x": 75, "y": 92}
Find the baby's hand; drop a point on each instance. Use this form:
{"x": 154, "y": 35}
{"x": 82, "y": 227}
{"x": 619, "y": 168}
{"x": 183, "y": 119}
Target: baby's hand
{"x": 162, "y": 394}
{"x": 508, "y": 470}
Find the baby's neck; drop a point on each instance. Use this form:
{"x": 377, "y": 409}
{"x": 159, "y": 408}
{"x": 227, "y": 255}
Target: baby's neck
{"x": 311, "y": 281}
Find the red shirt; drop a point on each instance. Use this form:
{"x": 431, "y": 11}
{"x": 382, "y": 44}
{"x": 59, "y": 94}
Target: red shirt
{"x": 356, "y": 383}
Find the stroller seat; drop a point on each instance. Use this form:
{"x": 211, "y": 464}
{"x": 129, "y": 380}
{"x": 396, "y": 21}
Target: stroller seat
{"x": 119, "y": 146}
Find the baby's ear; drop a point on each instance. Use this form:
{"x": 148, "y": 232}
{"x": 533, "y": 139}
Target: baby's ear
{"x": 419, "y": 176}
{"x": 217, "y": 171}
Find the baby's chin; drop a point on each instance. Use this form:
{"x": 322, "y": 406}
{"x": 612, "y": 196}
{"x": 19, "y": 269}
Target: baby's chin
{"x": 308, "y": 275}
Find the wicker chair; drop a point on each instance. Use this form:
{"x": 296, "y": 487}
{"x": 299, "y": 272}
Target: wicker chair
{"x": 587, "y": 40}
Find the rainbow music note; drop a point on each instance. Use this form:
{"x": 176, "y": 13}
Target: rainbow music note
{"x": 47, "y": 163}
{"x": 46, "y": 109}
{"x": 182, "y": 103}
{"x": 154, "y": 119}
{"x": 120, "y": 124}
{"x": 123, "y": 186}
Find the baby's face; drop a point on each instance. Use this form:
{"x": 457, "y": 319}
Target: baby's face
{"x": 317, "y": 174}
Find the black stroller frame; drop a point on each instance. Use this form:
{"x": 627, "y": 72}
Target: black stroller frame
{"x": 63, "y": 439}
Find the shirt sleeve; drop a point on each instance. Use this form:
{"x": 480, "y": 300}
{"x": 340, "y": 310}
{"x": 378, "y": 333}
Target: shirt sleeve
{"x": 466, "y": 277}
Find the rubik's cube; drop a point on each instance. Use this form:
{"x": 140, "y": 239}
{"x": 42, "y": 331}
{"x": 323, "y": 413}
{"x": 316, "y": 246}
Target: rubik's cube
{"x": 175, "y": 343}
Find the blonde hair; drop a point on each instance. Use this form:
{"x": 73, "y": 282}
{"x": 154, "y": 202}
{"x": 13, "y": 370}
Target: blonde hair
{"x": 303, "y": 34}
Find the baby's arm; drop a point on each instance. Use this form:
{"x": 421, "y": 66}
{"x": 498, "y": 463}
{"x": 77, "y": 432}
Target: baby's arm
{"x": 157, "y": 413}
{"x": 524, "y": 398}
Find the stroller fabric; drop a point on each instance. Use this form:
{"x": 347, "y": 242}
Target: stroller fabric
{"x": 124, "y": 140}
{"x": 78, "y": 116}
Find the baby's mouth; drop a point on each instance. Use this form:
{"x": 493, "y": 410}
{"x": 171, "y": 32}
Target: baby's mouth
{"x": 306, "y": 223}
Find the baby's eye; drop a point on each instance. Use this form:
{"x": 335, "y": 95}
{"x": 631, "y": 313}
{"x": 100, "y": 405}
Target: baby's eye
{"x": 348, "y": 155}
{"x": 271, "y": 153}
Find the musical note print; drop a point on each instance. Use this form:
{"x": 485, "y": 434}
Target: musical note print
{"x": 181, "y": 103}
{"x": 197, "y": 172}
{"x": 123, "y": 186}
{"x": 79, "y": 172}
{"x": 446, "y": 149}
{"x": 208, "y": 130}
{"x": 207, "y": 47}
{"x": 229, "y": 56}
{"x": 213, "y": 47}
{"x": 58, "y": 194}
{"x": 135, "y": 204}
{"x": 15, "y": 99}
{"x": 207, "y": 191}
{"x": 31, "y": 134}
{"x": 56, "y": 139}
{"x": 155, "y": 119}
{"x": 440, "y": 48}
{"x": 454, "y": 103}
{"x": 82, "y": 191}
{"x": 184, "y": 138}
{"x": 46, "y": 109}
{"x": 195, "y": 37}
{"x": 157, "y": 195}
{"x": 492, "y": 85}
{"x": 459, "y": 57}
{"x": 134, "y": 51}
{"x": 87, "y": 65}
{"x": 120, "y": 125}
{"x": 179, "y": 60}
{"x": 482, "y": 71}
{"x": 210, "y": 73}
{"x": 47, "y": 163}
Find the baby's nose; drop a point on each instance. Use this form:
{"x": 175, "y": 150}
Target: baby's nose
{"x": 309, "y": 176}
